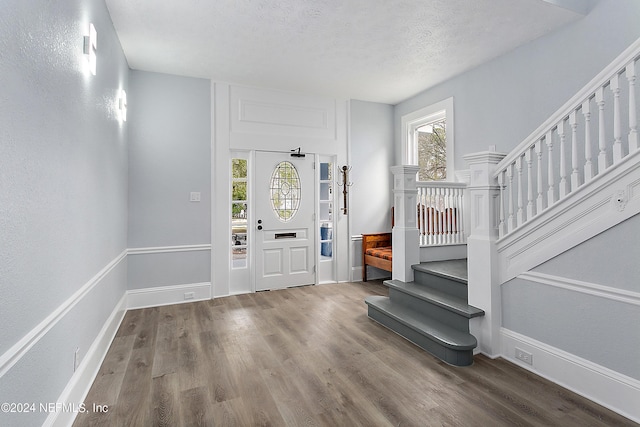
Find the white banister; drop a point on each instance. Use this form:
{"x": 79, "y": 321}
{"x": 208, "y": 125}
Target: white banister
{"x": 440, "y": 213}
{"x": 586, "y": 146}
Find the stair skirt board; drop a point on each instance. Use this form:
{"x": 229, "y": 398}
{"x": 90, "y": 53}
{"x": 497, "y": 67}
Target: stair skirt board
{"x": 462, "y": 356}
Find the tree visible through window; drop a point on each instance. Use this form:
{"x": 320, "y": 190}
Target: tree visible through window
{"x": 432, "y": 151}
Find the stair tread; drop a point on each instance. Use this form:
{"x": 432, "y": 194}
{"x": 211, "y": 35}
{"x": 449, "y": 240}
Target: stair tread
{"x": 455, "y": 269}
{"x": 439, "y": 298}
{"x": 440, "y": 332}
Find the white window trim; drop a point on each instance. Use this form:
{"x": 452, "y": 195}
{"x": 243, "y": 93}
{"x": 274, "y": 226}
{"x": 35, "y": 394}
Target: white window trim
{"x": 414, "y": 120}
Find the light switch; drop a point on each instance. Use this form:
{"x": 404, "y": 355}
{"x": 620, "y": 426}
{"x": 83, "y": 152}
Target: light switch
{"x": 194, "y": 196}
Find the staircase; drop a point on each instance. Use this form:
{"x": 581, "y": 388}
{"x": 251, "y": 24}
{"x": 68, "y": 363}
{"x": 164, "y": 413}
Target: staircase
{"x": 431, "y": 311}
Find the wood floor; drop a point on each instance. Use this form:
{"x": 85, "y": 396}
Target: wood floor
{"x": 308, "y": 356}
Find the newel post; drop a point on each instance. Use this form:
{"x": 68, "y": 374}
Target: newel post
{"x": 483, "y": 287}
{"x": 405, "y": 240}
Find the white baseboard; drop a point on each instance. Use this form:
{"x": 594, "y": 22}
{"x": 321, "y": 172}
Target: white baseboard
{"x": 166, "y": 295}
{"x": 604, "y": 386}
{"x": 78, "y": 386}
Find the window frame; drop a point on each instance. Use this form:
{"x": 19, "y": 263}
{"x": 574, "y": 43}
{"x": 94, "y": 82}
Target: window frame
{"x": 411, "y": 122}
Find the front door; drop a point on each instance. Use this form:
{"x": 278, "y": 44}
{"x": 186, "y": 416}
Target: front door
{"x": 284, "y": 194}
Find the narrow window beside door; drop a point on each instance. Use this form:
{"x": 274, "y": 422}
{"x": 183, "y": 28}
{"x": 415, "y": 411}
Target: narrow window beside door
{"x": 239, "y": 213}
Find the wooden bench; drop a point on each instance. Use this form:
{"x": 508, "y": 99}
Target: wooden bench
{"x": 376, "y": 252}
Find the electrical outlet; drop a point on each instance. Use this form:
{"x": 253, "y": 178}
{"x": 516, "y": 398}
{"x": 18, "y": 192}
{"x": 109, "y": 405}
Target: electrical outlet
{"x": 194, "y": 196}
{"x": 76, "y": 359}
{"x": 189, "y": 295}
{"x": 525, "y": 356}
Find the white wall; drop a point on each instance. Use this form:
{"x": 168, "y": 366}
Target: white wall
{"x": 371, "y": 157}
{"x": 169, "y": 157}
{"x": 63, "y": 194}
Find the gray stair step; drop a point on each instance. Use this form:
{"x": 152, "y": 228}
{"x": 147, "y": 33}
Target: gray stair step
{"x": 455, "y": 269}
{"x": 444, "y": 276}
{"x": 433, "y": 296}
{"x": 434, "y": 330}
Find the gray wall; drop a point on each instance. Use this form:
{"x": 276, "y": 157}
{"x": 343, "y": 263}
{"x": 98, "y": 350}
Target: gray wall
{"x": 371, "y": 159}
{"x": 602, "y": 330}
{"x": 501, "y": 102}
{"x": 169, "y": 157}
{"x": 63, "y": 190}
{"x": 371, "y": 134}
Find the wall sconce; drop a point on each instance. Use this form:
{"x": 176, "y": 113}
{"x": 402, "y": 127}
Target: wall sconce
{"x": 90, "y": 48}
{"x": 122, "y": 105}
{"x": 345, "y": 184}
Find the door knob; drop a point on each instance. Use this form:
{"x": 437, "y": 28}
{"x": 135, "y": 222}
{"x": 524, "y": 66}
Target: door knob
{"x": 259, "y": 227}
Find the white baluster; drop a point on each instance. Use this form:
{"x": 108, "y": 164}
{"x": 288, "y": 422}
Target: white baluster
{"x": 459, "y": 215}
{"x": 588, "y": 165}
{"x": 602, "y": 143}
{"x": 512, "y": 218}
{"x": 575, "y": 175}
{"x": 562, "y": 188}
{"x": 440, "y": 222}
{"x": 617, "y": 134}
{"x": 633, "y": 119}
{"x": 550, "y": 176}
{"x": 539, "y": 199}
{"x": 447, "y": 231}
{"x": 528, "y": 156}
{"x": 502, "y": 227}
{"x": 427, "y": 216}
{"x": 520, "y": 213}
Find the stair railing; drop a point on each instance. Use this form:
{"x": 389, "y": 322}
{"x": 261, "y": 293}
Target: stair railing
{"x": 594, "y": 131}
{"x": 440, "y": 210}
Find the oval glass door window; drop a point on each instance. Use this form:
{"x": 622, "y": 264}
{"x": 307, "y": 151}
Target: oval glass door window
{"x": 285, "y": 191}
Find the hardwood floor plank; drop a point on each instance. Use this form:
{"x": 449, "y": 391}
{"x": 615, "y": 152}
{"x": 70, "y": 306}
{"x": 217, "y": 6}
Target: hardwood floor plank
{"x": 195, "y": 407}
{"x": 165, "y": 400}
{"x": 309, "y": 356}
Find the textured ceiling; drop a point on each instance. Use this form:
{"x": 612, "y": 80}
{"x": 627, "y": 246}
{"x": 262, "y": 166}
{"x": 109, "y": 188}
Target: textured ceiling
{"x": 374, "y": 50}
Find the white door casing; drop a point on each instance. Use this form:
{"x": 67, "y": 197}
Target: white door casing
{"x": 284, "y": 248}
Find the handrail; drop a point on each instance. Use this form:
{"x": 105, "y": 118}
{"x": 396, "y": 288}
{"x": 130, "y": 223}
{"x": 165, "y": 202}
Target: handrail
{"x": 580, "y": 141}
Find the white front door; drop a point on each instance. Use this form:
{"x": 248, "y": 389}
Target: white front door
{"x": 284, "y": 194}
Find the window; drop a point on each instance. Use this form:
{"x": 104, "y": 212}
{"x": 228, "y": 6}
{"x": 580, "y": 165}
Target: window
{"x": 432, "y": 151}
{"x": 239, "y": 213}
{"x": 428, "y": 141}
{"x": 285, "y": 191}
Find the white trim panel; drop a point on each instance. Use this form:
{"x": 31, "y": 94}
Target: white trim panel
{"x": 80, "y": 383}
{"x": 607, "y": 292}
{"x": 167, "y": 295}
{"x": 19, "y": 349}
{"x": 164, "y": 249}
{"x": 608, "y": 388}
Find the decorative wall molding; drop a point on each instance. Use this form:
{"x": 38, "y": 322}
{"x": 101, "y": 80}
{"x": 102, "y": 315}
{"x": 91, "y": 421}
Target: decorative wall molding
{"x": 602, "y": 385}
{"x": 167, "y": 249}
{"x": 19, "y": 349}
{"x": 607, "y": 292}
{"x": 166, "y": 295}
{"x": 78, "y": 387}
